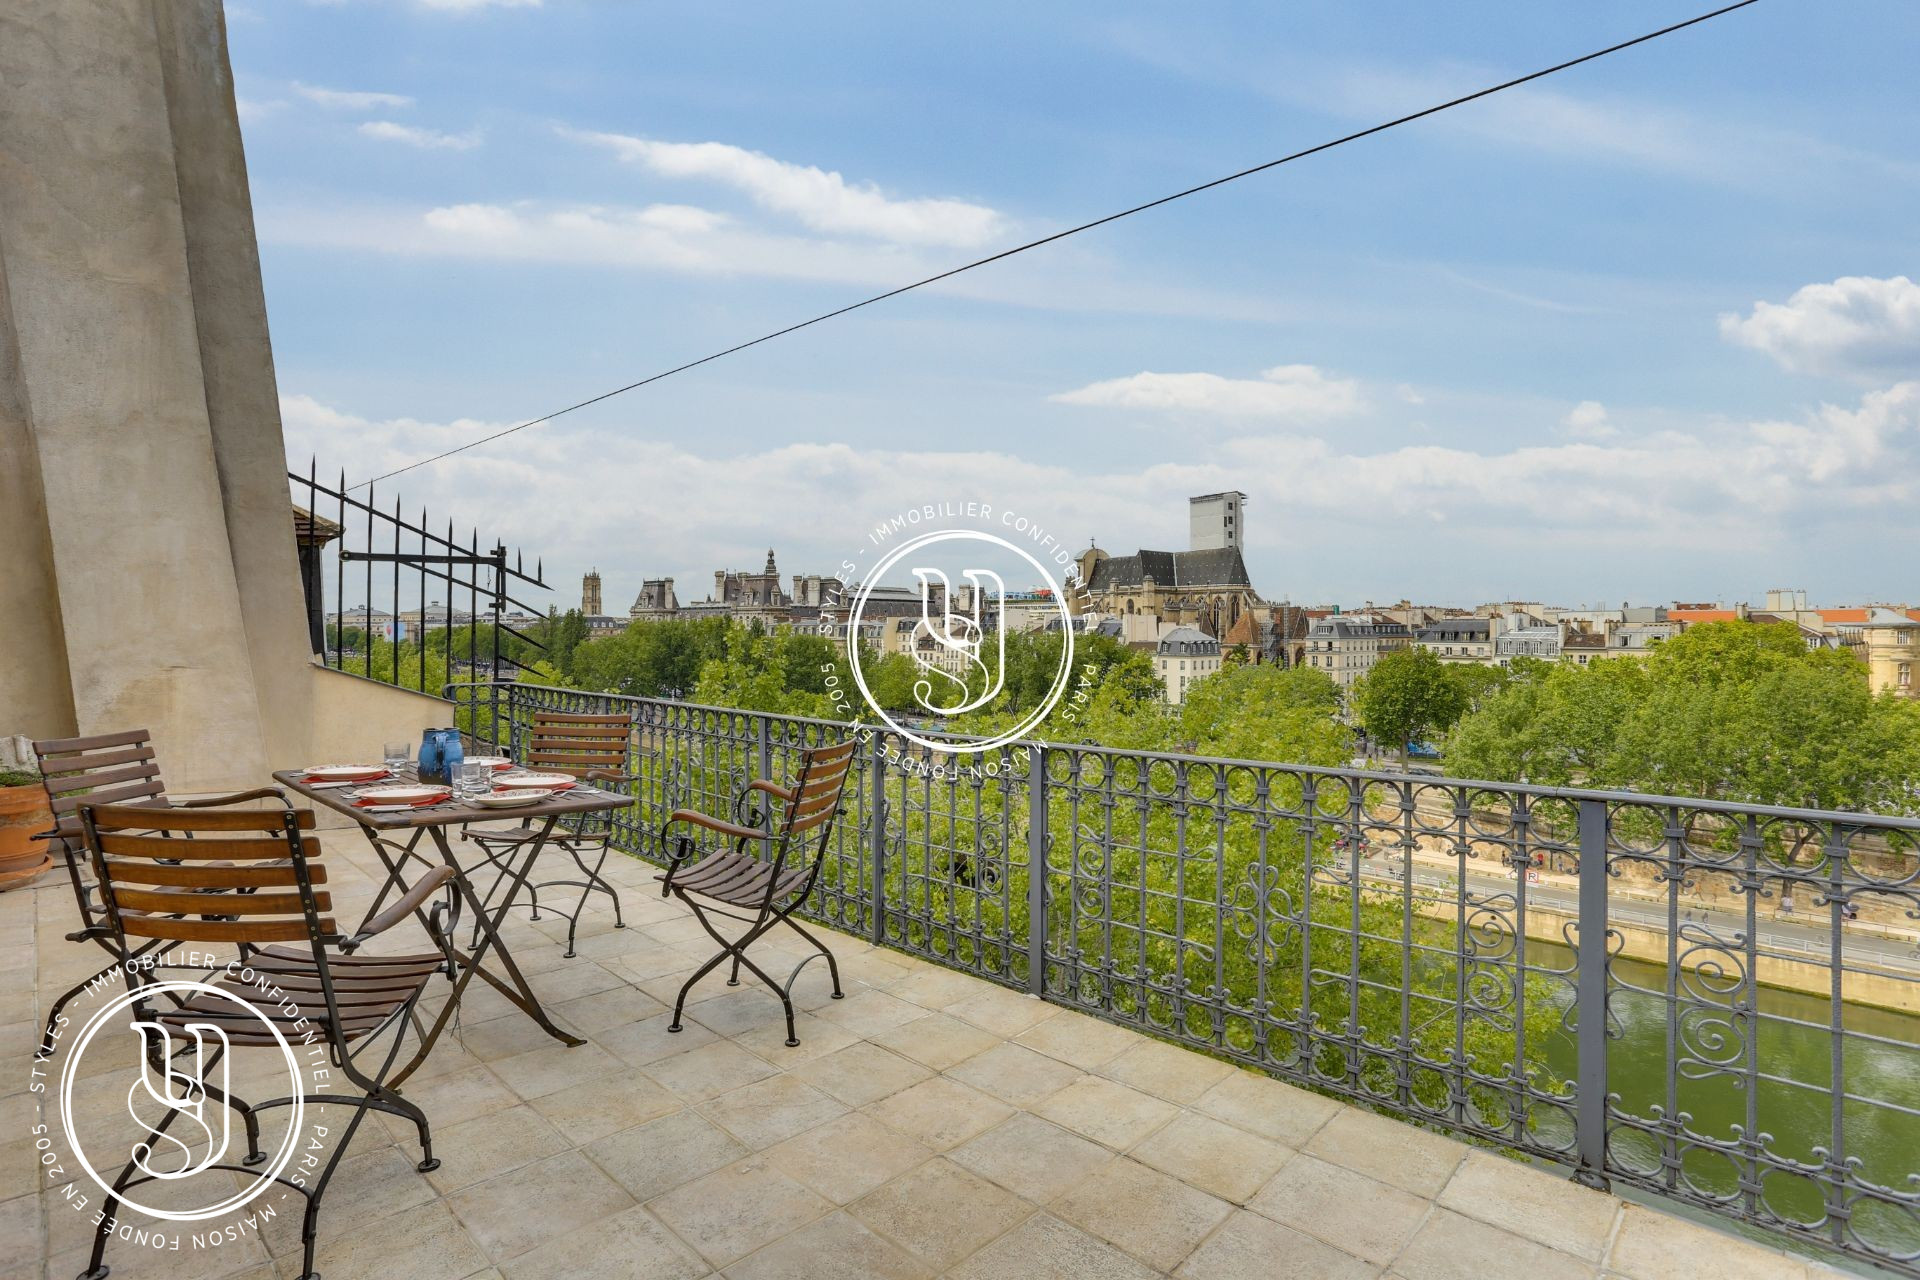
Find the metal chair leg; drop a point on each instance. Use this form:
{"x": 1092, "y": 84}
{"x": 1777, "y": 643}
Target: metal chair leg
{"x": 833, "y": 966}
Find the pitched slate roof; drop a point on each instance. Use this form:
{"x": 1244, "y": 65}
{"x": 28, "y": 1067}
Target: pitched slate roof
{"x": 1219, "y": 567}
{"x": 1186, "y": 640}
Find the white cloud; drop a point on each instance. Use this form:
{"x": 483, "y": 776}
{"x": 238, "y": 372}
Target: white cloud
{"x": 1736, "y": 489}
{"x": 350, "y": 100}
{"x": 254, "y": 109}
{"x": 426, "y": 139}
{"x": 1588, "y": 421}
{"x": 1284, "y": 391}
{"x": 817, "y": 198}
{"x": 668, "y": 237}
{"x": 1858, "y": 326}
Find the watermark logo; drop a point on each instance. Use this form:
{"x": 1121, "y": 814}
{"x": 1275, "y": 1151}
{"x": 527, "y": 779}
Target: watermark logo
{"x": 959, "y": 640}
{"x": 172, "y": 1089}
{"x": 942, "y": 599}
{"x": 139, "y": 1092}
{"x": 185, "y": 1076}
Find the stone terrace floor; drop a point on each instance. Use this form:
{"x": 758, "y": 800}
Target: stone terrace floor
{"x": 930, "y": 1124}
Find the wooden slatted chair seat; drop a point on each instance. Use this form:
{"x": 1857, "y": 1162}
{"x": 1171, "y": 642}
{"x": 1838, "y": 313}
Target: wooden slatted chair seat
{"x": 739, "y": 879}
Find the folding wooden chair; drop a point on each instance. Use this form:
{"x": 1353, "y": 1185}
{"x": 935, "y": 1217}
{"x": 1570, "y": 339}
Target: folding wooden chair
{"x": 772, "y": 887}
{"x": 148, "y": 894}
{"x": 592, "y": 748}
{"x": 108, "y": 768}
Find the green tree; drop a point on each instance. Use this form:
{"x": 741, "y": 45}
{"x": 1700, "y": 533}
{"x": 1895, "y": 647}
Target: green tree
{"x": 1408, "y": 693}
{"x": 1729, "y": 710}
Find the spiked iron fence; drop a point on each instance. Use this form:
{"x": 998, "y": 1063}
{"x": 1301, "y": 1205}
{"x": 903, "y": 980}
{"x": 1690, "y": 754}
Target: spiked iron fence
{"x": 350, "y": 542}
{"x": 1447, "y": 950}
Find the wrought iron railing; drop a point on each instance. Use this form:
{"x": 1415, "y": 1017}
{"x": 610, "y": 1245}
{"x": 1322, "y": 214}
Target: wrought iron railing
{"x": 1438, "y": 948}
{"x": 351, "y": 541}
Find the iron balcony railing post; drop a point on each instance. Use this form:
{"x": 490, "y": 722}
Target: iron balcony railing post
{"x": 1590, "y": 1083}
{"x": 763, "y": 742}
{"x": 877, "y": 836}
{"x": 1037, "y": 869}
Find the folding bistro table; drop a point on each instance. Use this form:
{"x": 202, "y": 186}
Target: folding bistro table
{"x": 383, "y": 830}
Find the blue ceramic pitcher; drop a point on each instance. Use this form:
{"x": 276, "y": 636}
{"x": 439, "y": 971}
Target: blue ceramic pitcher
{"x": 440, "y": 755}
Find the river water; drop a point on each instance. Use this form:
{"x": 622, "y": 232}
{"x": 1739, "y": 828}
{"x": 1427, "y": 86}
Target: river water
{"x": 1880, "y": 1069}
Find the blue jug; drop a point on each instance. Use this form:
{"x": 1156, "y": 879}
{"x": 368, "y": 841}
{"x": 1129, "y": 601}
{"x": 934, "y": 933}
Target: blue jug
{"x": 440, "y": 755}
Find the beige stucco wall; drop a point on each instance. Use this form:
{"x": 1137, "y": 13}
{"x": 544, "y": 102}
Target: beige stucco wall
{"x": 143, "y": 374}
{"x": 354, "y": 717}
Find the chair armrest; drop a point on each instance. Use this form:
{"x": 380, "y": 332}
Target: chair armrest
{"x": 410, "y": 901}
{"x": 212, "y": 802}
{"x": 699, "y": 819}
{"x": 772, "y": 789}
{"x": 608, "y": 775}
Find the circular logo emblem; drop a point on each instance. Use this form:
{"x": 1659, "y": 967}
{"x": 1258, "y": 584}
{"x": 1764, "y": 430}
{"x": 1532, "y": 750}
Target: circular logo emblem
{"x": 947, "y": 595}
{"x": 176, "y": 1121}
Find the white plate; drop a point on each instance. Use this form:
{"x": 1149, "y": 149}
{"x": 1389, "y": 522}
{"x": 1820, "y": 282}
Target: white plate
{"x": 346, "y": 772}
{"x": 492, "y": 762}
{"x": 522, "y": 781}
{"x": 510, "y": 799}
{"x": 410, "y": 794}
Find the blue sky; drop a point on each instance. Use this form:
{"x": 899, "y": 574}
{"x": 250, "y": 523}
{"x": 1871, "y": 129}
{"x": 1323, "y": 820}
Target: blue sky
{"x": 1646, "y": 330}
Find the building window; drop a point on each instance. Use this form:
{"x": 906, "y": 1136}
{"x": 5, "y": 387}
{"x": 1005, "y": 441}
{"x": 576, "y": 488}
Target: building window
{"x": 1904, "y": 676}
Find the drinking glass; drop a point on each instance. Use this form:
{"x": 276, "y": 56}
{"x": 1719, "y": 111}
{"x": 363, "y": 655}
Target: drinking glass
{"x": 475, "y": 779}
{"x": 396, "y": 754}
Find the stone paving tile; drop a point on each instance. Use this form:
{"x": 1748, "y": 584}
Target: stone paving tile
{"x": 939, "y": 1212}
{"x": 512, "y": 1213}
{"x": 861, "y": 1073}
{"x": 425, "y": 1243}
{"x": 1346, "y": 1209}
{"x": 771, "y": 1110}
{"x": 1166, "y": 1071}
{"x": 1076, "y": 1039}
{"x": 1269, "y": 1108}
{"x": 1031, "y": 1158}
{"x": 1652, "y": 1246}
{"x": 1045, "y": 1246}
{"x": 1106, "y": 1111}
{"x": 652, "y": 1159}
{"x": 733, "y": 1211}
{"x": 604, "y": 1105}
{"x": 1005, "y": 1013}
{"x": 1550, "y": 1210}
{"x": 1015, "y": 1074}
{"x": 631, "y": 1243}
{"x": 1251, "y": 1247}
{"x": 649, "y": 1040}
{"x": 936, "y": 1040}
{"x": 1409, "y": 1158}
{"x": 1213, "y": 1156}
{"x": 836, "y": 1247}
{"x": 708, "y": 1071}
{"x": 939, "y": 1112}
{"x": 634, "y": 1155}
{"x": 554, "y": 1067}
{"x": 870, "y": 1011}
{"x": 1451, "y": 1247}
{"x": 1157, "y": 1219}
{"x": 848, "y": 1156}
{"x": 488, "y": 1146}
{"x": 449, "y": 1100}
{"x": 605, "y": 1010}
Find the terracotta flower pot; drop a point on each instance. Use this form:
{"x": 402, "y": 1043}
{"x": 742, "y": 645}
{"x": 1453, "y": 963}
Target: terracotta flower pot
{"x": 23, "y": 814}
